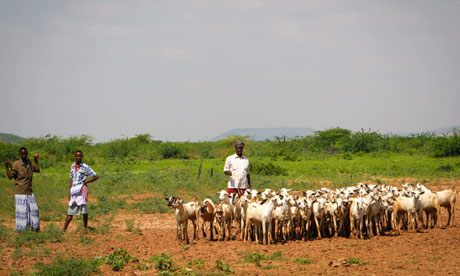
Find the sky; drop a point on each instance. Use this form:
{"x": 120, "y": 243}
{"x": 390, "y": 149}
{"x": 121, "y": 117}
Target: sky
{"x": 190, "y": 70}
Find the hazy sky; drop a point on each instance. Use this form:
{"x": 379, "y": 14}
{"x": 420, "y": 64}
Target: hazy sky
{"x": 190, "y": 70}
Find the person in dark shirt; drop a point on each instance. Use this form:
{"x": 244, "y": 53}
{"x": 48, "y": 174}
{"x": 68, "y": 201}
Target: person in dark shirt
{"x": 26, "y": 206}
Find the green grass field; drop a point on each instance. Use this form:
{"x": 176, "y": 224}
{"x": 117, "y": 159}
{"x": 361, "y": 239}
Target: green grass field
{"x": 202, "y": 178}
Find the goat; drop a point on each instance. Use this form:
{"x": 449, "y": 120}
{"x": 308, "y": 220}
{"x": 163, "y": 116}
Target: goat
{"x": 184, "y": 213}
{"x": 447, "y": 199}
{"x": 208, "y": 214}
{"x": 262, "y": 214}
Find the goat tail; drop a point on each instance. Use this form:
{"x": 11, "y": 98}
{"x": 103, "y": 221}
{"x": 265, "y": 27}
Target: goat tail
{"x": 454, "y": 188}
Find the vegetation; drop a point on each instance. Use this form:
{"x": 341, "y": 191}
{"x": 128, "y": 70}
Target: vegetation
{"x": 224, "y": 267}
{"x": 163, "y": 262}
{"x": 256, "y": 258}
{"x": 27, "y": 237}
{"x": 305, "y": 260}
{"x": 357, "y": 261}
{"x": 137, "y": 173}
{"x": 67, "y": 267}
{"x": 118, "y": 259}
{"x": 155, "y": 169}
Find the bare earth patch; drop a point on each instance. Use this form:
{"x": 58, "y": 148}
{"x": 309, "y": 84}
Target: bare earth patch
{"x": 433, "y": 251}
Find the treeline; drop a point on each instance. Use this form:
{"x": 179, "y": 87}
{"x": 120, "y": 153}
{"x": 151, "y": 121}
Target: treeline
{"x": 331, "y": 141}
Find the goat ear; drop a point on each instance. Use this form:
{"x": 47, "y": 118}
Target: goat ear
{"x": 167, "y": 199}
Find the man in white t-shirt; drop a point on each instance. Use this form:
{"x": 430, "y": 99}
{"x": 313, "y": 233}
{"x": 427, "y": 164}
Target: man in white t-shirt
{"x": 237, "y": 168}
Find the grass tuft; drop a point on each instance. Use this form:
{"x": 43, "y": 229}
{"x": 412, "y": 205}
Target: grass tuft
{"x": 357, "y": 261}
{"x": 67, "y": 267}
{"x": 224, "y": 267}
{"x": 305, "y": 260}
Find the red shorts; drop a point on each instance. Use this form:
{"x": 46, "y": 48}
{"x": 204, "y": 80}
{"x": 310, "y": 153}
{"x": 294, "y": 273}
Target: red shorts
{"x": 234, "y": 191}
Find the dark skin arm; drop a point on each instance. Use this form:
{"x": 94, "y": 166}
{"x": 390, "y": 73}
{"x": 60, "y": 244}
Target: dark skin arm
{"x": 36, "y": 166}
{"x": 8, "y": 172}
{"x": 70, "y": 188}
{"x": 92, "y": 179}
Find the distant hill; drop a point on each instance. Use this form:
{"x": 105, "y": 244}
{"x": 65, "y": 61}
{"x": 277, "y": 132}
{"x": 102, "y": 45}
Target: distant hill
{"x": 447, "y": 130}
{"x": 10, "y": 138}
{"x": 261, "y": 134}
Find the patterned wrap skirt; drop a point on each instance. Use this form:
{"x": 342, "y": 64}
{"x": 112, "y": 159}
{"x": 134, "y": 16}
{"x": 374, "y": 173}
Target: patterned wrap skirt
{"x": 26, "y": 212}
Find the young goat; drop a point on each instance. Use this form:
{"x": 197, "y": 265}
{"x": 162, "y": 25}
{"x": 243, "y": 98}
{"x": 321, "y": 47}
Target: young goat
{"x": 184, "y": 213}
{"x": 208, "y": 214}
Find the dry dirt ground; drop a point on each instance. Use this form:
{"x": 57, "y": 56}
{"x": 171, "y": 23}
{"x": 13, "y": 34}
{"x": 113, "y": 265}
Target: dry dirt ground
{"x": 429, "y": 252}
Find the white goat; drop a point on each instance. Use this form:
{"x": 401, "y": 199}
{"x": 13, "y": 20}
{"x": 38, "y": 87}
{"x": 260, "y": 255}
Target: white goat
{"x": 262, "y": 214}
{"x": 184, "y": 213}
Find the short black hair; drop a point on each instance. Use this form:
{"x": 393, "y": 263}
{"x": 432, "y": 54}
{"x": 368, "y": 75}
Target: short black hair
{"x": 239, "y": 143}
{"x": 22, "y": 148}
{"x": 79, "y": 152}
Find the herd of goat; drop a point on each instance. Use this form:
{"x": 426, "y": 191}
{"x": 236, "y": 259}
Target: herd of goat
{"x": 269, "y": 217}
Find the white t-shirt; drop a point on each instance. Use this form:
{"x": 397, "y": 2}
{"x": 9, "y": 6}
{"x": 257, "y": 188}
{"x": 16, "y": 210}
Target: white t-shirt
{"x": 239, "y": 166}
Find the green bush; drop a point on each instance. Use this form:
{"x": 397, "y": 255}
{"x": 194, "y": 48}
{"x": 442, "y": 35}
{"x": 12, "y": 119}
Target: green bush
{"x": 266, "y": 168}
{"x": 170, "y": 150}
{"x": 163, "y": 263}
{"x": 364, "y": 142}
{"x": 330, "y": 140}
{"x": 447, "y": 146}
{"x": 118, "y": 259}
{"x": 8, "y": 151}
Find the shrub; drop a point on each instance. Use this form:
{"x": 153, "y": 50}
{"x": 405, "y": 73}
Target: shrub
{"x": 8, "y": 151}
{"x": 447, "y": 146}
{"x": 330, "y": 139}
{"x": 163, "y": 263}
{"x": 170, "y": 150}
{"x": 118, "y": 259}
{"x": 364, "y": 142}
{"x": 266, "y": 168}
